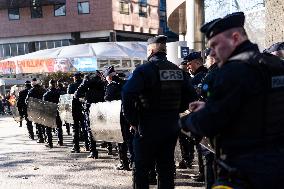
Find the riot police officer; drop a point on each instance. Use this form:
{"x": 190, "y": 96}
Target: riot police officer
{"x": 198, "y": 70}
{"x": 92, "y": 88}
{"x": 244, "y": 113}
{"x": 113, "y": 92}
{"x": 37, "y": 91}
{"x": 22, "y": 108}
{"x": 196, "y": 67}
{"x": 78, "y": 117}
{"x": 206, "y": 91}
{"x": 152, "y": 99}
{"x": 52, "y": 95}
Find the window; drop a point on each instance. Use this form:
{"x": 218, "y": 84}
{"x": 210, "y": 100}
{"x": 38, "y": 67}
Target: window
{"x": 126, "y": 63}
{"x": 26, "y": 48}
{"x": 142, "y": 8}
{"x": 102, "y": 64}
{"x": 83, "y": 7}
{"x": 142, "y": 2}
{"x": 137, "y": 63}
{"x": 14, "y": 14}
{"x": 115, "y": 63}
{"x": 1, "y": 52}
{"x": 65, "y": 42}
{"x": 36, "y": 12}
{"x": 50, "y": 44}
{"x": 57, "y": 43}
{"x": 163, "y": 21}
{"x": 21, "y": 48}
{"x": 37, "y": 47}
{"x": 14, "y": 50}
{"x": 42, "y": 45}
{"x": 60, "y": 10}
{"x": 124, "y": 7}
{"x": 163, "y": 5}
{"x": 7, "y": 51}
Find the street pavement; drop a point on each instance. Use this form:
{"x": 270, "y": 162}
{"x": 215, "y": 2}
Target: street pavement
{"x": 25, "y": 164}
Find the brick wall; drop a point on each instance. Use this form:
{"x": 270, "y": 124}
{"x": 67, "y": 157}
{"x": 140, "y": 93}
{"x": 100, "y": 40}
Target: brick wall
{"x": 274, "y": 21}
{"x": 104, "y": 15}
{"x": 100, "y": 18}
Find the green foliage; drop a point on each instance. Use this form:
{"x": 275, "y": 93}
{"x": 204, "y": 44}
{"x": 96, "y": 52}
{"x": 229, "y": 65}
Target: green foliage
{"x": 64, "y": 77}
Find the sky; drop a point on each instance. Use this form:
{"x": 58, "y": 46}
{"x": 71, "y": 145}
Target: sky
{"x": 253, "y": 9}
{"x": 224, "y": 7}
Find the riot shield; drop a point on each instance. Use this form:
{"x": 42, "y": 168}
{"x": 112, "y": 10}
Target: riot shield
{"x": 105, "y": 121}
{"x": 42, "y": 112}
{"x": 15, "y": 113}
{"x": 65, "y": 108}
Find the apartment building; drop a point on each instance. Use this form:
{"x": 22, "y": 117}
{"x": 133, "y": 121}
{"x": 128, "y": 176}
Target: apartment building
{"x": 31, "y": 25}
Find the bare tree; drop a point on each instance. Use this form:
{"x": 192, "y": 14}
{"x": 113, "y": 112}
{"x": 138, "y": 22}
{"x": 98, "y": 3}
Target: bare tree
{"x": 219, "y": 8}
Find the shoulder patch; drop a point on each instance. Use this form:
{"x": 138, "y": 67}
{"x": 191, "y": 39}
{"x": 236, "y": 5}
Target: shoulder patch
{"x": 171, "y": 75}
{"x": 277, "y": 81}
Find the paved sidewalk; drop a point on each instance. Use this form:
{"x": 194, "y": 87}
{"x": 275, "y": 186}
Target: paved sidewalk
{"x": 24, "y": 164}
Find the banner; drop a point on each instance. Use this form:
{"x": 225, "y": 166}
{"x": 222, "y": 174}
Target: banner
{"x": 35, "y": 66}
{"x": 85, "y": 64}
{"x": 7, "y": 67}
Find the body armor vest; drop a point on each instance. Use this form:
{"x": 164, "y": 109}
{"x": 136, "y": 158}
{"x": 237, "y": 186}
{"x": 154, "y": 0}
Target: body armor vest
{"x": 268, "y": 129}
{"x": 167, "y": 96}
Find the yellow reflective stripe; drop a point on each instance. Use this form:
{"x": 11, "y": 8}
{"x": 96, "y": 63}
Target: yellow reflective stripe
{"x": 222, "y": 187}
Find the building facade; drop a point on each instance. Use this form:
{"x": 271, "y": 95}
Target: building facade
{"x": 274, "y": 28}
{"x": 28, "y": 26}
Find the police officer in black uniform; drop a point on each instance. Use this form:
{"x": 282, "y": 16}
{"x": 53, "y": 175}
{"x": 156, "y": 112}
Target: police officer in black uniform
{"x": 78, "y": 116}
{"x": 22, "y": 108}
{"x": 198, "y": 70}
{"x": 193, "y": 63}
{"x": 196, "y": 67}
{"x": 152, "y": 100}
{"x": 206, "y": 91}
{"x": 244, "y": 114}
{"x": 92, "y": 88}
{"x": 52, "y": 95}
{"x": 113, "y": 92}
{"x": 37, "y": 91}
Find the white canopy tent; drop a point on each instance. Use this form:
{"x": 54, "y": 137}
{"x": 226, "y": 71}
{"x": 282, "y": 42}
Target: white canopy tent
{"x": 101, "y": 50}
{"x": 123, "y": 55}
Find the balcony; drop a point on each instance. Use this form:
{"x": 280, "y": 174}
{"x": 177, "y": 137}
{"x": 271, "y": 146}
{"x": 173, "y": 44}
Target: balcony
{"x": 5, "y": 4}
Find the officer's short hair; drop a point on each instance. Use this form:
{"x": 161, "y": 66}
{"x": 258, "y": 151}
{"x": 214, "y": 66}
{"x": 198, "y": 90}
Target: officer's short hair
{"x": 240, "y": 30}
{"x": 159, "y": 47}
{"x": 158, "y": 43}
{"x": 157, "y": 39}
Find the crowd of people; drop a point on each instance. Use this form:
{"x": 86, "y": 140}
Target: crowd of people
{"x": 234, "y": 100}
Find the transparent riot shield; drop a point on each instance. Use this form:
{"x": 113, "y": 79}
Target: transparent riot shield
{"x": 42, "y": 112}
{"x": 105, "y": 121}
{"x": 65, "y": 108}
